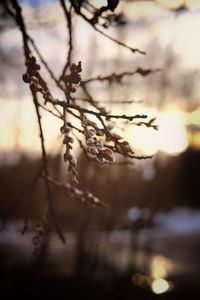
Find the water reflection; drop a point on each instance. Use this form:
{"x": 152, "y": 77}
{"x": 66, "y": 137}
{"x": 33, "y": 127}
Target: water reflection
{"x": 160, "y": 267}
{"x": 160, "y": 286}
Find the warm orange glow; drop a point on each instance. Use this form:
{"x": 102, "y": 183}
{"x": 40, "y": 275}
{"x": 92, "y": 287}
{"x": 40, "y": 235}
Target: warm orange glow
{"x": 173, "y": 134}
{"x": 19, "y": 127}
{"x": 193, "y": 117}
{"x": 171, "y": 137}
{"x": 145, "y": 140}
{"x": 194, "y": 139}
{"x": 160, "y": 267}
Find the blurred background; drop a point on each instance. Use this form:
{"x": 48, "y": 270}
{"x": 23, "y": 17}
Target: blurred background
{"x": 146, "y": 242}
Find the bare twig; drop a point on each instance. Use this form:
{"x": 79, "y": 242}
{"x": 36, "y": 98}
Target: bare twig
{"x": 97, "y": 114}
{"x": 147, "y": 124}
{"x": 78, "y": 11}
{"x": 68, "y": 17}
{"x": 131, "y": 101}
{"x": 83, "y": 196}
{"x": 46, "y": 171}
{"x": 118, "y": 77}
{"x": 30, "y": 197}
{"x": 100, "y": 143}
{"x": 27, "y": 54}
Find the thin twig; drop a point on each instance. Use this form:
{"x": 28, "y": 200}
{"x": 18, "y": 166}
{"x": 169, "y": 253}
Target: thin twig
{"x": 44, "y": 63}
{"x": 46, "y": 171}
{"x": 147, "y": 124}
{"x": 76, "y": 192}
{"x": 97, "y": 114}
{"x": 114, "y": 77}
{"x": 105, "y": 34}
{"x": 131, "y": 101}
{"x": 27, "y": 53}
{"x": 68, "y": 17}
{"x": 60, "y": 117}
{"x": 30, "y": 197}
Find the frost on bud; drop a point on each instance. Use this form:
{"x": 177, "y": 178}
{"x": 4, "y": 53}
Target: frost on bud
{"x": 65, "y": 157}
{"x": 68, "y": 157}
{"x": 101, "y": 160}
{"x": 100, "y": 132}
{"x": 116, "y": 136}
{"x": 126, "y": 146}
{"x": 90, "y": 133}
{"x": 92, "y": 150}
{"x": 90, "y": 141}
{"x": 73, "y": 162}
{"x": 108, "y": 154}
{"x": 99, "y": 144}
{"x": 38, "y": 239}
{"x": 110, "y": 126}
{"x": 96, "y": 200}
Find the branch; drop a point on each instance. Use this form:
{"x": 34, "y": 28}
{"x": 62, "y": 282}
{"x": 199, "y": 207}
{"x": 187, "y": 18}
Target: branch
{"x": 46, "y": 171}
{"x": 67, "y": 14}
{"x": 147, "y": 124}
{"x": 44, "y": 62}
{"x": 30, "y": 197}
{"x": 60, "y": 117}
{"x": 78, "y": 11}
{"x": 82, "y": 196}
{"x": 117, "y": 77}
{"x": 131, "y": 101}
{"x": 97, "y": 114}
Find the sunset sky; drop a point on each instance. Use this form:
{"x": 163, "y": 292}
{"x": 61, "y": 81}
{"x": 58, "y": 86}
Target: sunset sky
{"x": 148, "y": 22}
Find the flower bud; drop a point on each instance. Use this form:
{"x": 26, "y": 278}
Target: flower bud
{"x": 69, "y": 157}
{"x": 73, "y": 90}
{"x": 100, "y": 132}
{"x": 73, "y": 67}
{"x": 33, "y": 87}
{"x": 90, "y": 141}
{"x": 99, "y": 144}
{"x": 70, "y": 139}
{"x": 37, "y": 67}
{"x": 26, "y": 78}
{"x": 126, "y": 146}
{"x": 109, "y": 155}
{"x": 73, "y": 162}
{"x": 32, "y": 60}
{"x": 110, "y": 126}
{"x": 90, "y": 133}
{"x": 79, "y": 68}
{"x": 92, "y": 150}
{"x": 74, "y": 78}
{"x": 95, "y": 200}
{"x": 116, "y": 136}
{"x": 101, "y": 160}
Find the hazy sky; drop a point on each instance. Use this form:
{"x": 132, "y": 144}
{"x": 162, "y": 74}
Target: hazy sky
{"x": 148, "y": 22}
